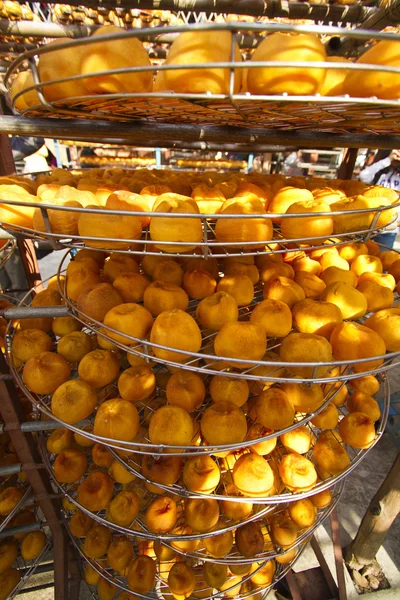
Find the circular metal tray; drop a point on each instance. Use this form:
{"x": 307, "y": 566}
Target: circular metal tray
{"x": 325, "y": 113}
{"x": 161, "y": 585}
{"x": 209, "y": 246}
{"x": 207, "y": 363}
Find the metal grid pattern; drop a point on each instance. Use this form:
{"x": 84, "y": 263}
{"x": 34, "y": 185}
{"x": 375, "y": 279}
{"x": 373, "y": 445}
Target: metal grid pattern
{"x": 210, "y": 364}
{"x": 210, "y": 246}
{"x": 340, "y": 114}
{"x": 138, "y": 527}
{"x": 161, "y": 585}
{"x": 18, "y": 506}
{"x": 28, "y": 567}
{"x": 278, "y": 496}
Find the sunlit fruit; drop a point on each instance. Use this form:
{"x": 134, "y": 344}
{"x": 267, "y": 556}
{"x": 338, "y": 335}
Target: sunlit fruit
{"x": 351, "y": 341}
{"x": 98, "y": 368}
{"x": 367, "y": 384}
{"x": 131, "y": 319}
{"x": 241, "y": 340}
{"x": 162, "y": 296}
{"x": 363, "y": 403}
{"x": 97, "y": 300}
{"x": 181, "y": 580}
{"x": 161, "y": 515}
{"x": 302, "y": 513}
{"x": 252, "y": 475}
{"x": 330, "y": 455}
{"x": 357, "y": 430}
{"x": 136, "y": 383}
{"x": 116, "y": 419}
{"x": 185, "y": 389}
{"x": 59, "y": 440}
{"x": 297, "y": 472}
{"x": 386, "y": 324}
{"x": 199, "y": 284}
{"x": 201, "y": 474}
{"x": 283, "y": 289}
{"x": 274, "y": 409}
{"x": 178, "y": 330}
{"x": 274, "y": 316}
{"x": 176, "y": 229}
{"x": 216, "y": 310}
{"x": 305, "y": 347}
{"x": 73, "y": 401}
{"x": 44, "y": 373}
{"x": 74, "y": 346}
{"x": 328, "y": 418}
{"x": 131, "y": 287}
{"x": 223, "y": 423}
{"x": 201, "y": 514}
{"x": 29, "y": 343}
{"x": 171, "y": 425}
{"x": 240, "y": 287}
{"x": 298, "y": 440}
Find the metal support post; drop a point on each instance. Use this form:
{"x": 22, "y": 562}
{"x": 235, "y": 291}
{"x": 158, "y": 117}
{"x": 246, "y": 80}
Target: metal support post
{"x": 346, "y": 169}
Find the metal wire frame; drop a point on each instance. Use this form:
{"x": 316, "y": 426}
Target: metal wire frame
{"x": 234, "y": 558}
{"x": 268, "y": 502}
{"x": 6, "y": 251}
{"x": 352, "y": 13}
{"x": 221, "y": 493}
{"x": 338, "y": 113}
{"x": 209, "y": 246}
{"x": 138, "y": 529}
{"x": 161, "y": 584}
{"x": 144, "y": 349}
{"x": 29, "y": 567}
{"x": 16, "y": 509}
{"x": 42, "y": 403}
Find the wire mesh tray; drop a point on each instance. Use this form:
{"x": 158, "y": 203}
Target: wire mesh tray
{"x": 28, "y": 567}
{"x": 210, "y": 246}
{"x": 161, "y": 583}
{"x": 279, "y": 494}
{"x": 336, "y": 113}
{"x": 137, "y": 527}
{"x": 27, "y": 493}
{"x": 206, "y": 362}
{"x": 275, "y": 550}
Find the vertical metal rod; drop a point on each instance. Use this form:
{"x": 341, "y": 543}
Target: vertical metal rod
{"x": 349, "y": 160}
{"x": 30, "y": 263}
{"x": 7, "y": 165}
{"x": 337, "y": 550}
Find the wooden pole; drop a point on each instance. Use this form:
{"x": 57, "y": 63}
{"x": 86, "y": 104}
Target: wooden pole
{"x": 376, "y": 522}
